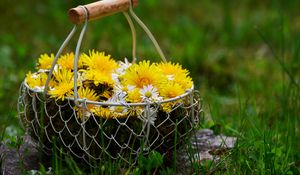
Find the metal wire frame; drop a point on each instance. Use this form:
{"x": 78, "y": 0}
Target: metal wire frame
{"x": 47, "y": 118}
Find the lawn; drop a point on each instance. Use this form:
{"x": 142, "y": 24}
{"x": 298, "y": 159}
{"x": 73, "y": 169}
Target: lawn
{"x": 244, "y": 58}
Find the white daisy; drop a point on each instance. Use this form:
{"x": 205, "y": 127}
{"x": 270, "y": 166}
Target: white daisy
{"x": 123, "y": 66}
{"x": 149, "y": 117}
{"x": 118, "y": 99}
{"x": 115, "y": 78}
{"x": 122, "y": 91}
{"x": 39, "y": 88}
{"x": 149, "y": 93}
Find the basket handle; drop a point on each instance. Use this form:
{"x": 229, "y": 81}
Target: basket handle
{"x": 99, "y": 9}
{"x": 85, "y": 14}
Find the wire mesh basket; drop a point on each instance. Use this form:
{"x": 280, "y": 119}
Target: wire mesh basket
{"x": 92, "y": 136}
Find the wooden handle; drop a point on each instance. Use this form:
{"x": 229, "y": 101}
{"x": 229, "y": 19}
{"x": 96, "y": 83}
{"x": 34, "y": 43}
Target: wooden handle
{"x": 99, "y": 9}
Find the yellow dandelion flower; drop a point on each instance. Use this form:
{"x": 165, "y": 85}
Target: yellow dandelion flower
{"x": 175, "y": 72}
{"x": 64, "y": 86}
{"x": 36, "y": 80}
{"x": 171, "y": 90}
{"x": 143, "y": 74}
{"x": 172, "y": 69}
{"x": 185, "y": 82}
{"x": 61, "y": 90}
{"x": 106, "y": 94}
{"x": 63, "y": 75}
{"x": 100, "y": 62}
{"x": 99, "y": 77}
{"x": 135, "y": 111}
{"x": 167, "y": 107}
{"x": 134, "y": 96}
{"x": 89, "y": 94}
{"x": 66, "y": 61}
{"x": 102, "y": 112}
{"x": 45, "y": 61}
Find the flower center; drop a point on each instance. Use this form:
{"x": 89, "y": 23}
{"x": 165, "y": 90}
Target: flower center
{"x": 148, "y": 94}
{"x": 144, "y": 81}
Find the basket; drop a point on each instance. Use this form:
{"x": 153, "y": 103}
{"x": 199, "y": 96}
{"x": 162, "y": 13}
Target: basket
{"x": 93, "y": 138}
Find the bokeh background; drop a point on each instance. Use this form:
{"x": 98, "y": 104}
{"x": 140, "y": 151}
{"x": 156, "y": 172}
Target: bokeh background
{"x": 242, "y": 55}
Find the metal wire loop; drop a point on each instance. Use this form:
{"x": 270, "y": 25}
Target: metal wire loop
{"x": 86, "y": 13}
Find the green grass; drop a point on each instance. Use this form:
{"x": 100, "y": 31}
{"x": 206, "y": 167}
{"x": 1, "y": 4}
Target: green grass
{"x": 244, "y": 57}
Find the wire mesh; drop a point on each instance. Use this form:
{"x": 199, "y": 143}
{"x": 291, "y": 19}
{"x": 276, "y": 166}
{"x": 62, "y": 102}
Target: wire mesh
{"x": 97, "y": 138}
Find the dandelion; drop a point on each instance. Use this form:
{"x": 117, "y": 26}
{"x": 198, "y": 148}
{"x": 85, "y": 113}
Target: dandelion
{"x": 167, "y": 107}
{"x": 100, "y": 62}
{"x": 143, "y": 74}
{"x": 171, "y": 90}
{"x": 45, "y": 61}
{"x": 64, "y": 86}
{"x": 36, "y": 81}
{"x": 99, "y": 77}
{"x": 134, "y": 96}
{"x": 66, "y": 61}
{"x": 175, "y": 72}
{"x": 102, "y": 112}
{"x": 88, "y": 94}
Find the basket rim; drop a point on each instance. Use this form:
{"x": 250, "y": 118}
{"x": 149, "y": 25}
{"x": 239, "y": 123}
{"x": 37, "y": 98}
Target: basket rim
{"x": 98, "y": 103}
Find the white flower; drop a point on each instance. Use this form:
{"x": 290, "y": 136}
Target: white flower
{"x": 123, "y": 66}
{"x": 35, "y": 75}
{"x": 149, "y": 93}
{"x": 149, "y": 116}
{"x": 39, "y": 88}
{"x": 122, "y": 91}
{"x": 115, "y": 78}
{"x": 118, "y": 99}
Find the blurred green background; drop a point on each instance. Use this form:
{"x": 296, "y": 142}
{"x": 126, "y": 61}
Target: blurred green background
{"x": 243, "y": 56}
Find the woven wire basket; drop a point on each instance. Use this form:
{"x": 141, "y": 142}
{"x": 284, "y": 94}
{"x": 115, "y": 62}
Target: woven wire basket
{"x": 55, "y": 123}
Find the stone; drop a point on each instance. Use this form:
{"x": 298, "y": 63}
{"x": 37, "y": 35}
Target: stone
{"x": 20, "y": 159}
{"x": 204, "y": 146}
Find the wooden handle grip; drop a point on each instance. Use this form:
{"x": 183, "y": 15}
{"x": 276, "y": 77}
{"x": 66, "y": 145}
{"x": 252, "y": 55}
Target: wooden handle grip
{"x": 99, "y": 9}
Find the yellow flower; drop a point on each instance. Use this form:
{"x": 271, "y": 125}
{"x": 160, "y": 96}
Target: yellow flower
{"x": 172, "y": 68}
{"x": 175, "y": 72}
{"x": 143, "y": 74}
{"x": 167, "y": 107}
{"x": 171, "y": 90}
{"x": 36, "y": 80}
{"x": 135, "y": 111}
{"x": 100, "y": 62}
{"x": 64, "y": 86}
{"x": 134, "y": 96}
{"x": 102, "y": 112}
{"x": 89, "y": 94}
{"x": 45, "y": 61}
{"x": 66, "y": 61}
{"x": 106, "y": 94}
{"x": 185, "y": 82}
{"x": 99, "y": 77}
